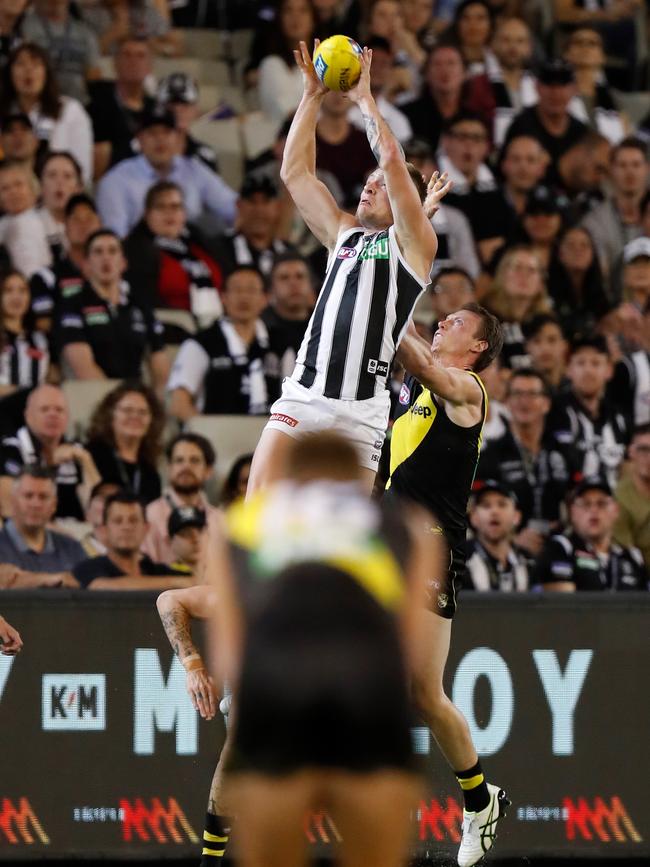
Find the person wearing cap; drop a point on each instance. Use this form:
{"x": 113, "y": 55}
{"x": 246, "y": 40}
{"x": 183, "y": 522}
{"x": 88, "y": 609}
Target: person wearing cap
{"x": 549, "y": 121}
{"x": 179, "y": 93}
{"x": 584, "y": 417}
{"x": 465, "y": 147}
{"x": 121, "y": 192}
{"x": 117, "y": 107}
{"x": 526, "y": 461}
{"x": 618, "y": 219}
{"x": 586, "y": 557}
{"x": 542, "y": 221}
{"x": 190, "y": 463}
{"x": 185, "y": 527}
{"x": 494, "y": 562}
{"x": 255, "y": 240}
{"x": 18, "y": 140}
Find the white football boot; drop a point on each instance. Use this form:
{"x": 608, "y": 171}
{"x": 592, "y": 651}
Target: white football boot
{"x": 479, "y": 829}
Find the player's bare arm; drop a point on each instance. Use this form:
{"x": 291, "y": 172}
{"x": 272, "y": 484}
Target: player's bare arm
{"x": 314, "y": 201}
{"x": 176, "y": 609}
{"x": 454, "y": 385}
{"x": 413, "y": 230}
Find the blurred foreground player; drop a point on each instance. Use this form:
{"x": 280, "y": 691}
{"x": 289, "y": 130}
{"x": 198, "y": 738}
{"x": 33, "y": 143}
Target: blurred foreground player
{"x": 435, "y": 448}
{"x": 379, "y": 265}
{"x": 10, "y": 641}
{"x": 320, "y": 600}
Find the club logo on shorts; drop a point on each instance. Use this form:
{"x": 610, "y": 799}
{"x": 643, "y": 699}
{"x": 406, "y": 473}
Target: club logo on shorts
{"x": 285, "y": 419}
{"x": 346, "y": 253}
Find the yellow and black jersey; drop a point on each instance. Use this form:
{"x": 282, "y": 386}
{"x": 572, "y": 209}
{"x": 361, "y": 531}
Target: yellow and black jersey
{"x": 433, "y": 460}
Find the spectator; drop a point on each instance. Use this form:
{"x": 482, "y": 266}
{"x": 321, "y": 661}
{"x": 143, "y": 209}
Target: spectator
{"x": 383, "y": 62}
{"x": 472, "y": 31}
{"x": 42, "y": 557}
{"x": 123, "y": 567}
{"x": 586, "y": 557}
{"x": 18, "y": 140}
{"x": 179, "y": 93}
{"x": 494, "y": 563}
{"x": 234, "y": 488}
{"x": 542, "y": 222}
{"x": 60, "y": 122}
{"x": 115, "y": 20}
{"x": 124, "y": 438}
{"x": 169, "y": 263}
{"x": 528, "y": 462}
{"x": 443, "y": 95}
{"x": 495, "y": 378}
{"x": 291, "y": 301}
{"x": 466, "y": 144}
{"x": 280, "y": 79}
{"x": 547, "y": 348}
{"x": 254, "y": 242}
{"x": 452, "y": 289}
{"x": 549, "y": 121}
{"x": 185, "y": 528}
{"x": 523, "y": 165}
{"x": 418, "y": 31}
{"x": 455, "y": 239}
{"x": 24, "y": 353}
{"x": 190, "y": 463}
{"x": 334, "y": 17}
{"x": 632, "y": 527}
{"x": 631, "y": 382}
{"x": 617, "y": 220}
{"x": 67, "y": 41}
{"x": 60, "y": 177}
{"x": 12, "y": 15}
{"x": 95, "y": 321}
{"x": 21, "y": 229}
{"x": 341, "y": 148}
{"x": 93, "y": 542}
{"x": 510, "y": 86}
{"x": 41, "y": 442}
{"x": 584, "y": 417}
{"x": 575, "y": 282}
{"x": 517, "y": 294}
{"x": 385, "y": 20}
{"x": 121, "y": 192}
{"x": 222, "y": 370}
{"x": 593, "y": 103}
{"x": 64, "y": 277}
{"x": 625, "y": 323}
{"x": 117, "y": 107}
{"x": 582, "y": 170}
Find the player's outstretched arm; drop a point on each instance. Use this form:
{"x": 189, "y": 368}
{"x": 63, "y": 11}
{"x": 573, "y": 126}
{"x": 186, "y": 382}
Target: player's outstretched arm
{"x": 316, "y": 204}
{"x": 413, "y": 229}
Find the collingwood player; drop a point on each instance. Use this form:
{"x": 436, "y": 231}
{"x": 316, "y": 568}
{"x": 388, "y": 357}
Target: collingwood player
{"x": 379, "y": 264}
{"x": 435, "y": 448}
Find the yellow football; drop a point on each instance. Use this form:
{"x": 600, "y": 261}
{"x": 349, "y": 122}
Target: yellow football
{"x": 337, "y": 62}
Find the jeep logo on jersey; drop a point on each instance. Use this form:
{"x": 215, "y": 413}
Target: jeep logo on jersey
{"x": 346, "y": 253}
{"x": 421, "y": 410}
{"x": 376, "y": 250}
{"x": 378, "y": 367}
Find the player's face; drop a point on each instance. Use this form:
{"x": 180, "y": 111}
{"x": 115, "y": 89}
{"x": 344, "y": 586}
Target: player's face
{"x": 547, "y": 348}
{"x": 589, "y": 371}
{"x": 34, "y": 502}
{"x": 187, "y": 468}
{"x": 374, "y": 211}
{"x": 640, "y": 457}
{"x": 186, "y": 545}
{"x": 593, "y": 515}
{"x": 125, "y": 528}
{"x": 456, "y": 334}
{"x": 494, "y": 517}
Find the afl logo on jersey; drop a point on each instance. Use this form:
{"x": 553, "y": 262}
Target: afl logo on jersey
{"x": 405, "y": 395}
{"x": 346, "y": 253}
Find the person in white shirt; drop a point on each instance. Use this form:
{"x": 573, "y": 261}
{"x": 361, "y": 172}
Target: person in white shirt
{"x": 60, "y": 177}
{"x": 21, "y": 229}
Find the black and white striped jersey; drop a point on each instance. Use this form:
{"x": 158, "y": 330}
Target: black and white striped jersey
{"x": 360, "y": 317}
{"x": 24, "y": 359}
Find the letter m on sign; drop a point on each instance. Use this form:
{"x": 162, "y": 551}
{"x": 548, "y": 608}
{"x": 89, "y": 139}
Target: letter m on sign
{"x": 17, "y": 824}
{"x": 601, "y": 820}
{"x": 157, "y": 822}
{"x": 433, "y": 819}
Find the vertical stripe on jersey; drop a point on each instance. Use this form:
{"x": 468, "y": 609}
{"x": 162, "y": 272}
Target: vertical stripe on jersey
{"x": 341, "y": 334}
{"x": 311, "y": 354}
{"x": 409, "y": 292}
{"x": 372, "y": 348}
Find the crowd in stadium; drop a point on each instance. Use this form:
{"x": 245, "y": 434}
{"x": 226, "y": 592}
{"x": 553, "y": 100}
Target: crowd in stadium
{"x": 141, "y": 251}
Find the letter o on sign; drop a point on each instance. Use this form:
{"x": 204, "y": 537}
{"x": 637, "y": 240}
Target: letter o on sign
{"x": 484, "y": 662}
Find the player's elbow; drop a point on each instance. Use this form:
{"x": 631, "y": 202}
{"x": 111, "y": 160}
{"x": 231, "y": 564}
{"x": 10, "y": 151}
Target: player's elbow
{"x": 164, "y": 601}
{"x": 391, "y": 154}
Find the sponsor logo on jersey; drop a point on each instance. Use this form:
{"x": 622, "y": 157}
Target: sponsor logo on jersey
{"x": 378, "y": 367}
{"x": 425, "y": 411}
{"x": 346, "y": 253}
{"x": 285, "y": 419}
{"x": 376, "y": 250}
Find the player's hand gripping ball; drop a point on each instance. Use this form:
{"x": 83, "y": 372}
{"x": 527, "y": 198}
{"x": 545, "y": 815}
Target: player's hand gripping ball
{"x": 337, "y": 62}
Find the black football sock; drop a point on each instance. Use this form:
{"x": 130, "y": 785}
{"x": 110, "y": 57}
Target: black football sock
{"x": 475, "y": 790}
{"x": 215, "y": 839}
